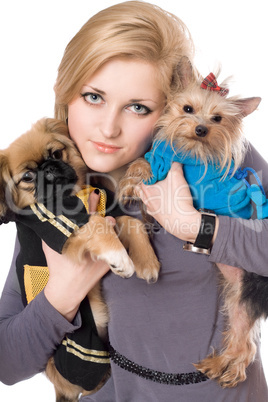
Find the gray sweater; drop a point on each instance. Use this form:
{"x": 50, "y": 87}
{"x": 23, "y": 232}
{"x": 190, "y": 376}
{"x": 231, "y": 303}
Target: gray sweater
{"x": 165, "y": 326}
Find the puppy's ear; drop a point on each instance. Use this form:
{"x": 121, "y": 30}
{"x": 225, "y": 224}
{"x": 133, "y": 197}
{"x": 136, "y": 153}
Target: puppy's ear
{"x": 185, "y": 72}
{"x": 5, "y": 178}
{"x": 56, "y": 126}
{"x": 247, "y": 105}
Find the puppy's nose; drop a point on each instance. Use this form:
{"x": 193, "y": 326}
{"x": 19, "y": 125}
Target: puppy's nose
{"x": 50, "y": 173}
{"x": 201, "y": 131}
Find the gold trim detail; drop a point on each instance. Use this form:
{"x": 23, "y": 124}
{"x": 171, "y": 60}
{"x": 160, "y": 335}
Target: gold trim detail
{"x": 37, "y": 213}
{"x": 61, "y": 228}
{"x": 70, "y": 345}
{"x": 68, "y": 222}
{"x": 45, "y": 210}
{"x": 52, "y": 219}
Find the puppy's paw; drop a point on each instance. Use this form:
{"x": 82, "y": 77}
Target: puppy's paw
{"x": 128, "y": 189}
{"x": 148, "y": 269}
{"x": 138, "y": 171}
{"x": 233, "y": 376}
{"x": 227, "y": 372}
{"x": 119, "y": 262}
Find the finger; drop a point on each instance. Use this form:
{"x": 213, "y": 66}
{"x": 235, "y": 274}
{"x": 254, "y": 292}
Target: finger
{"x": 176, "y": 175}
{"x": 50, "y": 254}
{"x": 147, "y": 193}
{"x": 139, "y": 191}
{"x": 93, "y": 200}
{"x": 111, "y": 220}
{"x": 45, "y": 247}
{"x": 176, "y": 166}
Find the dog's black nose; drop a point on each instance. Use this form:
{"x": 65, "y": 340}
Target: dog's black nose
{"x": 201, "y": 131}
{"x": 51, "y": 173}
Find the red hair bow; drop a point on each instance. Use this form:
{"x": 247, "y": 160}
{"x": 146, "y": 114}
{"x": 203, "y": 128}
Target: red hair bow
{"x": 210, "y": 83}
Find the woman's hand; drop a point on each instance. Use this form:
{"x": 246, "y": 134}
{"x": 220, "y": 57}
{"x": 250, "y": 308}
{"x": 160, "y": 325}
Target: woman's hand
{"x": 171, "y": 204}
{"x": 69, "y": 284}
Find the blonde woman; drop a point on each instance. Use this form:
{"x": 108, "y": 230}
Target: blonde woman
{"x": 114, "y": 80}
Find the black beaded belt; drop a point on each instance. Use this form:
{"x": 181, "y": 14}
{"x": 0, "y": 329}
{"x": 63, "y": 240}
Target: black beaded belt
{"x": 153, "y": 375}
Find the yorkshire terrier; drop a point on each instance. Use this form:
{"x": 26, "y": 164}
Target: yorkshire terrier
{"x": 40, "y": 170}
{"x": 202, "y": 128}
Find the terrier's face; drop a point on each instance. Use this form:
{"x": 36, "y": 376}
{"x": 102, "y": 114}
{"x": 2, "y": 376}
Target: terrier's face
{"x": 206, "y": 125}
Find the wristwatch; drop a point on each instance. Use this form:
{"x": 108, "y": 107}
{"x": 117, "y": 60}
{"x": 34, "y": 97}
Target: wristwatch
{"x": 203, "y": 241}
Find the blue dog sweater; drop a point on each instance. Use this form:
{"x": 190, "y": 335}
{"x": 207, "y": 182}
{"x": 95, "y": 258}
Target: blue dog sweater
{"x": 226, "y": 196}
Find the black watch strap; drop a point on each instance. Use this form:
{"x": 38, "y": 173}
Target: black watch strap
{"x": 204, "y": 238}
{"x": 206, "y": 231}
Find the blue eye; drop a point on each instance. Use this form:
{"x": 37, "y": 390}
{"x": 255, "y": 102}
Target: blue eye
{"x": 139, "y": 109}
{"x": 92, "y": 98}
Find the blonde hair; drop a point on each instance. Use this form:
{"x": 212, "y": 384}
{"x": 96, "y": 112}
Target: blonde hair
{"x": 134, "y": 30}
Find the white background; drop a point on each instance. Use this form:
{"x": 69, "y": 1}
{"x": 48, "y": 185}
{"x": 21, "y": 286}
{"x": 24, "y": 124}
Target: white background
{"x": 33, "y": 35}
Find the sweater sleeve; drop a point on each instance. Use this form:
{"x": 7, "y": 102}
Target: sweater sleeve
{"x": 28, "y": 336}
{"x": 243, "y": 243}
{"x": 55, "y": 223}
{"x": 160, "y": 158}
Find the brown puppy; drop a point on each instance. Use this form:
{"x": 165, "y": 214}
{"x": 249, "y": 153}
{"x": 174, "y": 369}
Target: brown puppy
{"x": 44, "y": 167}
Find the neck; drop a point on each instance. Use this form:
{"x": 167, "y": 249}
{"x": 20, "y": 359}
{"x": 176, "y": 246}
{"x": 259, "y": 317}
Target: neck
{"x": 110, "y": 180}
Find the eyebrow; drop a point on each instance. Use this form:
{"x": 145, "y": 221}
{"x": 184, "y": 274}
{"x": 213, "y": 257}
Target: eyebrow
{"x": 97, "y": 90}
{"x": 131, "y": 100}
{"x": 141, "y": 100}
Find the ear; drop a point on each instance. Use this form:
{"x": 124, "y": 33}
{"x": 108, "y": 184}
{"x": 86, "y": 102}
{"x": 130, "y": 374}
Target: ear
{"x": 247, "y": 105}
{"x": 185, "y": 72}
{"x": 55, "y": 126}
{"x": 60, "y": 128}
{"x": 4, "y": 178}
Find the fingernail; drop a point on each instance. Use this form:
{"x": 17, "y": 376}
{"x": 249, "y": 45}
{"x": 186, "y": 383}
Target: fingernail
{"x": 97, "y": 191}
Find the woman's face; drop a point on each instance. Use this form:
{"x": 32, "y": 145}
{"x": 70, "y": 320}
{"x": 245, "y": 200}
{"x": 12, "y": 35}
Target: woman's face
{"x": 111, "y": 121}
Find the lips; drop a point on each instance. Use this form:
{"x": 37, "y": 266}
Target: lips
{"x": 105, "y": 148}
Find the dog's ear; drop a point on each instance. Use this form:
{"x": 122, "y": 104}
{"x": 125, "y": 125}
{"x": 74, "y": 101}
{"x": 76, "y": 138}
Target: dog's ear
{"x": 5, "y": 178}
{"x": 185, "y": 72}
{"x": 56, "y": 126}
{"x": 247, "y": 105}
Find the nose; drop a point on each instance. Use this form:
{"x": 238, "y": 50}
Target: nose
{"x": 51, "y": 170}
{"x": 51, "y": 173}
{"x": 201, "y": 131}
{"x": 110, "y": 125}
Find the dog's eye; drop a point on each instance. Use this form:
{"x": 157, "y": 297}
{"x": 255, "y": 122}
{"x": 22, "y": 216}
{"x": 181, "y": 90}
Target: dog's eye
{"x": 57, "y": 154}
{"x": 29, "y": 176}
{"x": 188, "y": 109}
{"x": 217, "y": 118}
